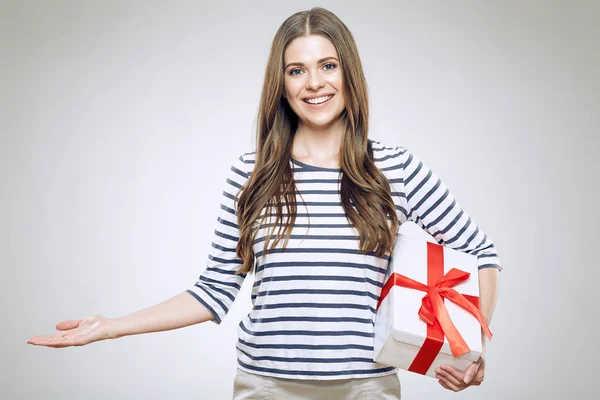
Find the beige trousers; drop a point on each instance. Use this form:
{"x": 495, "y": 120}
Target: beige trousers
{"x": 247, "y": 386}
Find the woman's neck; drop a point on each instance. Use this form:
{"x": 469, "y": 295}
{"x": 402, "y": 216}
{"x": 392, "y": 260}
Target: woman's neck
{"x": 318, "y": 147}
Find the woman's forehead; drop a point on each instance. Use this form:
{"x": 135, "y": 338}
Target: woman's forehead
{"x": 307, "y": 49}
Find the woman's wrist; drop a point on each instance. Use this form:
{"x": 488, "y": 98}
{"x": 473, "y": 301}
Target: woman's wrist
{"x": 116, "y": 328}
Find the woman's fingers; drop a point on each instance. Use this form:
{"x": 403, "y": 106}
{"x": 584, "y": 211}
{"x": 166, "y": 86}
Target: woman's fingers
{"x": 62, "y": 339}
{"x": 453, "y": 379}
{"x": 448, "y": 385}
{"x": 42, "y": 340}
{"x": 459, "y": 375}
{"x": 74, "y": 333}
{"x": 449, "y": 378}
{"x": 60, "y": 343}
{"x": 66, "y": 326}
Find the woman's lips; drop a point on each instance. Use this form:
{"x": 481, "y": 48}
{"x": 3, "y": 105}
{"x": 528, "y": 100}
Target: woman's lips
{"x": 320, "y": 105}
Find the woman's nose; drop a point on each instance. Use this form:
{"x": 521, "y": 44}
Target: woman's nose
{"x": 315, "y": 81}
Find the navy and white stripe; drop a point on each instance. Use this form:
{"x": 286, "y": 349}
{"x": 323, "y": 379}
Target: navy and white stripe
{"x": 314, "y": 302}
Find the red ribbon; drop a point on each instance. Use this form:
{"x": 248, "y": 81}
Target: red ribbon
{"x": 434, "y": 312}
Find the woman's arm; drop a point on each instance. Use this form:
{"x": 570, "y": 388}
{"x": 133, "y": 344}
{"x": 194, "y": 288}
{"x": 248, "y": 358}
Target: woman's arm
{"x": 488, "y": 294}
{"x": 177, "y": 312}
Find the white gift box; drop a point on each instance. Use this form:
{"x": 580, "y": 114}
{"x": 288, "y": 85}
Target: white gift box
{"x": 399, "y": 330}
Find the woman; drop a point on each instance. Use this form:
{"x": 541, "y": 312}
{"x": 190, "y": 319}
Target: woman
{"x": 314, "y": 212}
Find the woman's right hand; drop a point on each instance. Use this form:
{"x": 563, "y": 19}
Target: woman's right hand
{"x": 77, "y": 332}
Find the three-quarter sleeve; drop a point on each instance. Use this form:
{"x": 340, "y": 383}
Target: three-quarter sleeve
{"x": 428, "y": 203}
{"x": 218, "y": 285}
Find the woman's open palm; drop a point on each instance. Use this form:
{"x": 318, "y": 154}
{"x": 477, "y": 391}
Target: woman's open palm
{"x": 76, "y": 332}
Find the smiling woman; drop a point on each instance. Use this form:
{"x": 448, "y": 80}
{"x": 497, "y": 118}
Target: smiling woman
{"x": 319, "y": 269}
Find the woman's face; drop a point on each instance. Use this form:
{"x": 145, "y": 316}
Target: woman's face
{"x": 314, "y": 84}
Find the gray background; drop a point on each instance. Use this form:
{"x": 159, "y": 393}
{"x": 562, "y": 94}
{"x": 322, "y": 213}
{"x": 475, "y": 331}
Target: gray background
{"x": 119, "y": 121}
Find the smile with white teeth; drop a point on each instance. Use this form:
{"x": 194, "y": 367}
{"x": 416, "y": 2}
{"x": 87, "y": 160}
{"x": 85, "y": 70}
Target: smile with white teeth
{"x": 318, "y": 100}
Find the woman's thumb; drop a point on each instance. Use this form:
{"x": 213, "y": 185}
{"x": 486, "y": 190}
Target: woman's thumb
{"x": 470, "y": 372}
{"x": 68, "y": 324}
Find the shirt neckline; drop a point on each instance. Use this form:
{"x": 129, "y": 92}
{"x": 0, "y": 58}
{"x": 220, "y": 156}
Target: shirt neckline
{"x": 314, "y": 167}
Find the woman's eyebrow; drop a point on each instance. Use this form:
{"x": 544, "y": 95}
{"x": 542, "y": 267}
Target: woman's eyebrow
{"x": 318, "y": 62}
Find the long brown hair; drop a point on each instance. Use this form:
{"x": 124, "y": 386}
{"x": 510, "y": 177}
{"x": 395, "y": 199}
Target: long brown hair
{"x": 365, "y": 191}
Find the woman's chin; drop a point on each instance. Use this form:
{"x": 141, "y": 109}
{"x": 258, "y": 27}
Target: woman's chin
{"x": 320, "y": 123}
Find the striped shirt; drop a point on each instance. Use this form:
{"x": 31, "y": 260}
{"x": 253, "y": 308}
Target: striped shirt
{"x": 314, "y": 302}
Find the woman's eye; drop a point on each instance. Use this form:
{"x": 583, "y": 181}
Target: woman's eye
{"x": 292, "y": 71}
{"x": 330, "y": 64}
